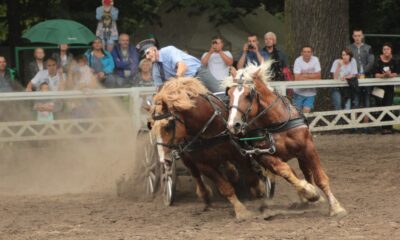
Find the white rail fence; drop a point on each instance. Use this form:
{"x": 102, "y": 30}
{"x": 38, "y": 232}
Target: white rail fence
{"x": 103, "y": 127}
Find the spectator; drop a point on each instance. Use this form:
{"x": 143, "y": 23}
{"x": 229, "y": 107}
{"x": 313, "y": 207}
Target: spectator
{"x": 250, "y": 53}
{"x": 143, "y": 78}
{"x": 386, "y": 67}
{"x": 306, "y": 67}
{"x": 272, "y": 52}
{"x": 101, "y": 63}
{"x": 365, "y": 62}
{"x": 342, "y": 69}
{"x": 44, "y": 108}
{"x": 217, "y": 60}
{"x": 126, "y": 59}
{"x": 63, "y": 57}
{"x": 107, "y": 15}
{"x": 171, "y": 62}
{"x": 54, "y": 78}
{"x": 36, "y": 65}
{"x": 7, "y": 77}
{"x": 81, "y": 77}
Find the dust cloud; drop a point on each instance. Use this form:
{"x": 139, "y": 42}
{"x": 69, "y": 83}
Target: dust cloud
{"x": 68, "y": 166}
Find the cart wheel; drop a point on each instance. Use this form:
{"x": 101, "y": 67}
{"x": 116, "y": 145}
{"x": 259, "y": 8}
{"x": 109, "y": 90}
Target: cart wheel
{"x": 169, "y": 184}
{"x": 269, "y": 186}
{"x": 150, "y": 162}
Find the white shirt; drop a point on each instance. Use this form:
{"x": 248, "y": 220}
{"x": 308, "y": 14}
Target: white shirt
{"x": 43, "y": 76}
{"x": 346, "y": 69}
{"x": 217, "y": 66}
{"x": 301, "y": 66}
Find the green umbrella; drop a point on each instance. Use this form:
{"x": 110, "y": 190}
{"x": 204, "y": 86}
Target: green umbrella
{"x": 59, "y": 31}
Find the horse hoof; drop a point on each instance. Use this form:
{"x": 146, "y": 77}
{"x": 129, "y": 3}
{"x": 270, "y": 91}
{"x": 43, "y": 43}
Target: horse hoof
{"x": 310, "y": 193}
{"x": 339, "y": 213}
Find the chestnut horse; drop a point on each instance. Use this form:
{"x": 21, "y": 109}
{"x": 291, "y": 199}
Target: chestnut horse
{"x": 192, "y": 121}
{"x": 257, "y": 112}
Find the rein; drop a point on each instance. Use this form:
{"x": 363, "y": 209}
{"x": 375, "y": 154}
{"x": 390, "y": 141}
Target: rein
{"x": 196, "y": 141}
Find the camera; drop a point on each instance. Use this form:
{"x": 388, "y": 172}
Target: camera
{"x": 250, "y": 47}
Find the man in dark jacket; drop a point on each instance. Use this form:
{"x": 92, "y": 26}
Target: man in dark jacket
{"x": 272, "y": 52}
{"x": 126, "y": 59}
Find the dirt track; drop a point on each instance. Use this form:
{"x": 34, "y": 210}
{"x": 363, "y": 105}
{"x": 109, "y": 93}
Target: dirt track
{"x": 364, "y": 172}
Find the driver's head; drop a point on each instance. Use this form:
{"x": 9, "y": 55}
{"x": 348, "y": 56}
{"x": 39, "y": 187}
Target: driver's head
{"x": 151, "y": 54}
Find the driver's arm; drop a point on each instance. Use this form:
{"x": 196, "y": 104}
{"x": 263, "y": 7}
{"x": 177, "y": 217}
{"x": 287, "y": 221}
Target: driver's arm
{"x": 181, "y": 69}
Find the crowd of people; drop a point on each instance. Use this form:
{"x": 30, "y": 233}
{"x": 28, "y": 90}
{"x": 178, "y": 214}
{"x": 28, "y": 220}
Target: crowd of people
{"x": 113, "y": 62}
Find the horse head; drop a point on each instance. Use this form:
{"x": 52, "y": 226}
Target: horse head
{"x": 242, "y": 90}
{"x": 171, "y": 107}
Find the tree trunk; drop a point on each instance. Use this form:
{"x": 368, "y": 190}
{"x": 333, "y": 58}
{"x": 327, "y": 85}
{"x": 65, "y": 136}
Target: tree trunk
{"x": 323, "y": 24}
{"x": 14, "y": 25}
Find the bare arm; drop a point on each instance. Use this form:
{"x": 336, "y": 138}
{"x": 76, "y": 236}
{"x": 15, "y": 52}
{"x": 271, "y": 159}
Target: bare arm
{"x": 29, "y": 86}
{"x": 307, "y": 76}
{"x": 180, "y": 69}
{"x": 206, "y": 58}
{"x": 242, "y": 59}
{"x": 228, "y": 60}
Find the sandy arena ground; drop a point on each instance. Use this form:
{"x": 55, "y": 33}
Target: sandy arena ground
{"x": 68, "y": 194}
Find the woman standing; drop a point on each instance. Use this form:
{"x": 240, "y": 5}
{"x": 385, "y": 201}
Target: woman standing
{"x": 343, "y": 68}
{"x": 386, "y": 67}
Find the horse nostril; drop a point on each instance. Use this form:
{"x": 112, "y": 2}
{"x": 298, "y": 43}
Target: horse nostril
{"x": 237, "y": 125}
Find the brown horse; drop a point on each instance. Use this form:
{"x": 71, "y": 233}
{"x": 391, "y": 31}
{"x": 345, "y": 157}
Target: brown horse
{"x": 280, "y": 131}
{"x": 193, "y": 122}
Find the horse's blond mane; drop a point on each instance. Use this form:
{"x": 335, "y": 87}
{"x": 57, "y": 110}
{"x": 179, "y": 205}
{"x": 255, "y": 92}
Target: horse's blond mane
{"x": 178, "y": 93}
{"x": 263, "y": 71}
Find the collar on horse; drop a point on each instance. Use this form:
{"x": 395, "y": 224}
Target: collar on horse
{"x": 264, "y": 133}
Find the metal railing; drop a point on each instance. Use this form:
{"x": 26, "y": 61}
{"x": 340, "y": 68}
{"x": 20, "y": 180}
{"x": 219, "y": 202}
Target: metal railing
{"x": 58, "y": 129}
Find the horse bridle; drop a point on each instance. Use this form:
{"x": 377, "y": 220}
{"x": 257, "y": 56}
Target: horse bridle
{"x": 184, "y": 146}
{"x": 254, "y": 93}
{"x": 240, "y": 86}
{"x": 172, "y": 120}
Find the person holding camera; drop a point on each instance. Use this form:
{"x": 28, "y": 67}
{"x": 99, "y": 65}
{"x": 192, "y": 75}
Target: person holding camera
{"x": 272, "y": 52}
{"x": 385, "y": 67}
{"x": 250, "y": 53}
{"x": 217, "y": 60}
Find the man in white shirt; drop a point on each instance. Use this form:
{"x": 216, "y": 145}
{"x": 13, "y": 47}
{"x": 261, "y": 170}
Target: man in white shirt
{"x": 54, "y": 78}
{"x": 217, "y": 60}
{"x": 306, "y": 67}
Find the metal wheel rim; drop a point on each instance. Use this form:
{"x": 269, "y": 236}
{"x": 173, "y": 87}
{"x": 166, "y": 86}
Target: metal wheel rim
{"x": 268, "y": 187}
{"x": 168, "y": 191}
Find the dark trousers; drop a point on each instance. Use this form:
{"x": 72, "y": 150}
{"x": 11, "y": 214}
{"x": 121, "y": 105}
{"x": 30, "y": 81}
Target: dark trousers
{"x": 208, "y": 80}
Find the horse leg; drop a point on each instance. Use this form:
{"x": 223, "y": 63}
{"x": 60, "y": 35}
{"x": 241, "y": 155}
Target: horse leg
{"x": 203, "y": 191}
{"x": 307, "y": 175}
{"x": 280, "y": 168}
{"x": 226, "y": 189}
{"x": 251, "y": 177}
{"x": 231, "y": 172}
{"x": 322, "y": 180}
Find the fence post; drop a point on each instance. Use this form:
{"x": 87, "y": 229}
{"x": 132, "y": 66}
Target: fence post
{"x": 134, "y": 105}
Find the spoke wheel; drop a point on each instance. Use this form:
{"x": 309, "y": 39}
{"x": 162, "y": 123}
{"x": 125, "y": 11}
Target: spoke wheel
{"x": 150, "y": 162}
{"x": 269, "y": 187}
{"x": 169, "y": 184}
